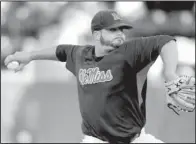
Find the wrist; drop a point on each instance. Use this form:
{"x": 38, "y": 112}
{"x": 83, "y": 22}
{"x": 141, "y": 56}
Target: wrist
{"x": 31, "y": 56}
{"x": 170, "y": 76}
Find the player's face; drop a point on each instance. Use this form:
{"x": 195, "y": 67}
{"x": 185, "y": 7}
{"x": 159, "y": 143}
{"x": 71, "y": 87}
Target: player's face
{"x": 114, "y": 37}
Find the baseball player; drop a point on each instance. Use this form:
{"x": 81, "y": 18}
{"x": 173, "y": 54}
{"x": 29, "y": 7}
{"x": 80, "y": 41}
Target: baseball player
{"x": 111, "y": 106}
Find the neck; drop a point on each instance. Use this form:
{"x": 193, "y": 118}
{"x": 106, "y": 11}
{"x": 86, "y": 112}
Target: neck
{"x": 99, "y": 52}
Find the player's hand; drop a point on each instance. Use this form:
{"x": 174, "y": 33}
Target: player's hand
{"x": 181, "y": 94}
{"x": 23, "y": 58}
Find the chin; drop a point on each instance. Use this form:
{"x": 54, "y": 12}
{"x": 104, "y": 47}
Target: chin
{"x": 116, "y": 45}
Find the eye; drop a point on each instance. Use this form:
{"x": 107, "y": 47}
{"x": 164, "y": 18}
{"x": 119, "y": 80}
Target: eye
{"x": 121, "y": 29}
{"x": 113, "y": 29}
{"x": 116, "y": 29}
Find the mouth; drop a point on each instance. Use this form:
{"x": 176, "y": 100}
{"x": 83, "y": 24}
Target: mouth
{"x": 119, "y": 38}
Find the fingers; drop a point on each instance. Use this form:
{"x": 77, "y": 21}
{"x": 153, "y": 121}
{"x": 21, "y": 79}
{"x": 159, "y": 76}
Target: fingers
{"x": 19, "y": 68}
{"x": 192, "y": 81}
{"x": 8, "y": 59}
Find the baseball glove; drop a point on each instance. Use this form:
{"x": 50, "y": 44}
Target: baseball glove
{"x": 181, "y": 94}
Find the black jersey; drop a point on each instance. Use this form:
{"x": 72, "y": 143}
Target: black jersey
{"x": 111, "y": 104}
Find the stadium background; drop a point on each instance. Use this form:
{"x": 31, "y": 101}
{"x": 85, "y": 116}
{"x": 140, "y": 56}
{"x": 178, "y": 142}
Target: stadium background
{"x": 39, "y": 104}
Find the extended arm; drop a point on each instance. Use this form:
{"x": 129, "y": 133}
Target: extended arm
{"x": 63, "y": 53}
{"x": 44, "y": 54}
{"x": 26, "y": 57}
{"x": 23, "y": 58}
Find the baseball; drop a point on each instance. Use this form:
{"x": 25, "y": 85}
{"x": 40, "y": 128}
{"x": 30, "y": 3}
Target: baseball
{"x": 13, "y": 65}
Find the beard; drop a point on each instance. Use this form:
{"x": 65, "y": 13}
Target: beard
{"x": 115, "y": 44}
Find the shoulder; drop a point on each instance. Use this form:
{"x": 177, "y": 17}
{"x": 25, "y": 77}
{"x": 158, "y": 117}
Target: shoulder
{"x": 78, "y": 48}
{"x": 133, "y": 41}
{"x": 142, "y": 41}
{"x": 86, "y": 48}
{"x": 83, "y": 50}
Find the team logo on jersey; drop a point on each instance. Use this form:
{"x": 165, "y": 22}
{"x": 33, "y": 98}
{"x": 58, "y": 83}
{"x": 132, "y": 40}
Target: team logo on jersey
{"x": 94, "y": 75}
{"x": 116, "y": 16}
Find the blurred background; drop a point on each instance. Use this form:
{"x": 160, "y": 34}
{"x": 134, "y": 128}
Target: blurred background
{"x": 39, "y": 104}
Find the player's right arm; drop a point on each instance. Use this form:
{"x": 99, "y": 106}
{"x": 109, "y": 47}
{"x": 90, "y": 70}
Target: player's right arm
{"x": 63, "y": 53}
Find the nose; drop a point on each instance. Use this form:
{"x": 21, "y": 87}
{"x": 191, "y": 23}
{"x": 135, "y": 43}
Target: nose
{"x": 120, "y": 32}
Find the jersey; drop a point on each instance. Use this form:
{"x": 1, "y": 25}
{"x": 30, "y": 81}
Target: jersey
{"x": 111, "y": 106}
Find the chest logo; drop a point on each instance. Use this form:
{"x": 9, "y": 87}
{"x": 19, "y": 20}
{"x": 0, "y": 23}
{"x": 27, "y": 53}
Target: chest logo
{"x": 94, "y": 75}
{"x": 115, "y": 16}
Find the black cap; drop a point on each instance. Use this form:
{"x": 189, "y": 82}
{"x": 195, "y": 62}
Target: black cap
{"x": 108, "y": 19}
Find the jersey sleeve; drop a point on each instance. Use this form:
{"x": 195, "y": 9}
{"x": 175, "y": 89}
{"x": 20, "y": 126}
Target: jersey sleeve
{"x": 67, "y": 53}
{"x": 140, "y": 52}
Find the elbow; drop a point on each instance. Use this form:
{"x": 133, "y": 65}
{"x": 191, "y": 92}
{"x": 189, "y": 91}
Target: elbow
{"x": 169, "y": 53}
{"x": 169, "y": 47}
{"x": 170, "y": 44}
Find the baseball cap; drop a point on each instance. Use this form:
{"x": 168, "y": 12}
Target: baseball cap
{"x": 107, "y": 19}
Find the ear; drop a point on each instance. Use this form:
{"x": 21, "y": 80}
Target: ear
{"x": 96, "y": 35}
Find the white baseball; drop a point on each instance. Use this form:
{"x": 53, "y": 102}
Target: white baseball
{"x": 13, "y": 65}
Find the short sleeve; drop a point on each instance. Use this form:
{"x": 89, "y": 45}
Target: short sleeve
{"x": 140, "y": 52}
{"x": 67, "y": 53}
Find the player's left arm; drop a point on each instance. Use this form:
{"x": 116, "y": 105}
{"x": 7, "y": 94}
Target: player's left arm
{"x": 180, "y": 89}
{"x": 169, "y": 56}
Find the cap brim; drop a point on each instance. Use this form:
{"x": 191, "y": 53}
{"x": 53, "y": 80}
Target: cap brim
{"x": 121, "y": 24}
